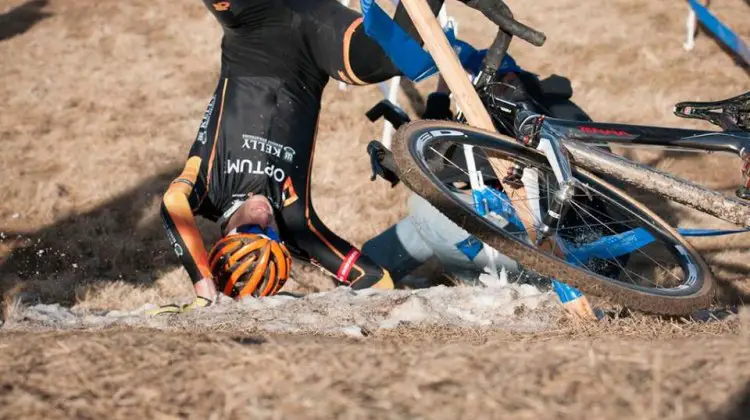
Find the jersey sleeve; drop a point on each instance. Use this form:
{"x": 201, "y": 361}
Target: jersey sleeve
{"x": 179, "y": 222}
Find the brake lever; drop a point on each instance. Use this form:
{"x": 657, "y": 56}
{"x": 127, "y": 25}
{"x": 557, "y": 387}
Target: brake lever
{"x": 499, "y": 13}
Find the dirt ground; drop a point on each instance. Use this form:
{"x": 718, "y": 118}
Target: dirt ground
{"x": 101, "y": 102}
{"x": 633, "y": 371}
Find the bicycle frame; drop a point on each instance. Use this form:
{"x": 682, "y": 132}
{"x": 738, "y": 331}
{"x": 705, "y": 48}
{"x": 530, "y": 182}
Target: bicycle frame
{"x": 593, "y": 133}
{"x": 597, "y": 133}
{"x": 578, "y": 137}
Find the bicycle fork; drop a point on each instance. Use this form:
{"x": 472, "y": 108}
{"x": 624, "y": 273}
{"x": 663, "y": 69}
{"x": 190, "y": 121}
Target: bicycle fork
{"x": 571, "y": 298}
{"x": 530, "y": 131}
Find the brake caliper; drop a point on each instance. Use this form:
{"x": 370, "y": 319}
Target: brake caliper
{"x": 527, "y": 133}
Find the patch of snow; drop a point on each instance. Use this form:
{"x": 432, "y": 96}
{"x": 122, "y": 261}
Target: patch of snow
{"x": 341, "y": 311}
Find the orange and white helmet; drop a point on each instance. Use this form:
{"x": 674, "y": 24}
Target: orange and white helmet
{"x": 250, "y": 261}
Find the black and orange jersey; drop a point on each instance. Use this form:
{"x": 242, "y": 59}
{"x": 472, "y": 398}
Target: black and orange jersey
{"x": 258, "y": 133}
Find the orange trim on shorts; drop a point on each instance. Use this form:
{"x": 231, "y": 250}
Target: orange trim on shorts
{"x": 347, "y": 45}
{"x": 290, "y": 192}
{"x": 344, "y": 78}
{"x": 216, "y": 137}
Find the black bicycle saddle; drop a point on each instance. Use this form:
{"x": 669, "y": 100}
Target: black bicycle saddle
{"x": 731, "y": 114}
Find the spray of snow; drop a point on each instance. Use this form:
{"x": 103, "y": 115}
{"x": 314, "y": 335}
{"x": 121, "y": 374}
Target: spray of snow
{"x": 341, "y": 311}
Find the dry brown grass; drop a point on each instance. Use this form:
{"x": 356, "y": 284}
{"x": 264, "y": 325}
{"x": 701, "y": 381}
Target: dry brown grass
{"x": 100, "y": 104}
{"x": 101, "y": 108}
{"x": 128, "y": 374}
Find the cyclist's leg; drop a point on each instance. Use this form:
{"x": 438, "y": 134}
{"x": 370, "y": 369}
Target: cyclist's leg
{"x": 457, "y": 250}
{"x": 308, "y": 238}
{"x": 342, "y": 48}
{"x": 399, "y": 249}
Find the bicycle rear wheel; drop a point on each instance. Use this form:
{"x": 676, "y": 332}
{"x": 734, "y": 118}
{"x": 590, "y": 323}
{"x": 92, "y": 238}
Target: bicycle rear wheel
{"x": 663, "y": 274}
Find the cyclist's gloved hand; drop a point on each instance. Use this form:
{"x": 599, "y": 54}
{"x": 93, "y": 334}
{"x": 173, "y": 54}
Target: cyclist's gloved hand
{"x": 199, "y": 302}
{"x": 381, "y": 162}
{"x": 438, "y": 107}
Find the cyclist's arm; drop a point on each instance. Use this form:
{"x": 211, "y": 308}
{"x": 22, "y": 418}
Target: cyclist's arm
{"x": 341, "y": 48}
{"x": 179, "y": 221}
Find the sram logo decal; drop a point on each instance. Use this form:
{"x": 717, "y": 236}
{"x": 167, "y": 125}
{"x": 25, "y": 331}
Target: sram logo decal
{"x": 173, "y": 241}
{"x": 603, "y": 131}
{"x": 440, "y": 133}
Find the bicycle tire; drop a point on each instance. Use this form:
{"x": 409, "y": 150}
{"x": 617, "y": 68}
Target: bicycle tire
{"x": 415, "y": 175}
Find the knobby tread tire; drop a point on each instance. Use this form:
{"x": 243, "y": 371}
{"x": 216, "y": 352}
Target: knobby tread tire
{"x": 416, "y": 180}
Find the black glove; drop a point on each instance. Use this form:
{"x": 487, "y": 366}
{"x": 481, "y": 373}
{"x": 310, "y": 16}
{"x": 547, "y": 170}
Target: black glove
{"x": 199, "y": 302}
{"x": 381, "y": 161}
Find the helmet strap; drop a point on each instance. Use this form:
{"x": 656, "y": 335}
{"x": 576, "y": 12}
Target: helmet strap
{"x": 268, "y": 232}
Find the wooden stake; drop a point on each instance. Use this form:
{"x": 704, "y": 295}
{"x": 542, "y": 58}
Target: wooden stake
{"x": 455, "y": 76}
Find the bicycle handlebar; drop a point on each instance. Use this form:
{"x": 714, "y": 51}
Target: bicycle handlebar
{"x": 499, "y": 13}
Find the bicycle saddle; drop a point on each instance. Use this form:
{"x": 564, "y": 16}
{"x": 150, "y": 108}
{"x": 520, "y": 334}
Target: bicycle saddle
{"x": 731, "y": 114}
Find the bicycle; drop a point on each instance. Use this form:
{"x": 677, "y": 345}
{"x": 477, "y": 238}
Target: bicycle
{"x": 582, "y": 229}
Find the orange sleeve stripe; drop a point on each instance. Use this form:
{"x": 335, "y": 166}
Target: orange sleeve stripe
{"x": 347, "y": 46}
{"x": 178, "y": 206}
{"x": 186, "y": 181}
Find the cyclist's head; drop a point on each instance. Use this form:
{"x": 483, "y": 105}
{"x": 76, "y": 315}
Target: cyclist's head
{"x": 250, "y": 259}
{"x": 255, "y": 210}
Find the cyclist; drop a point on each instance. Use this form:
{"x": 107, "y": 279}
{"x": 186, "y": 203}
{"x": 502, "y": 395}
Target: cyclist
{"x": 250, "y": 164}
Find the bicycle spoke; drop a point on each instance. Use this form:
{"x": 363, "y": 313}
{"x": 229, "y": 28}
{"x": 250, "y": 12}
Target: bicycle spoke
{"x": 586, "y": 222}
{"x": 644, "y": 254}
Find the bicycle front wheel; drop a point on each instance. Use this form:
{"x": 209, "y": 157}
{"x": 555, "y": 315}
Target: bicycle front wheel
{"x": 607, "y": 244}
